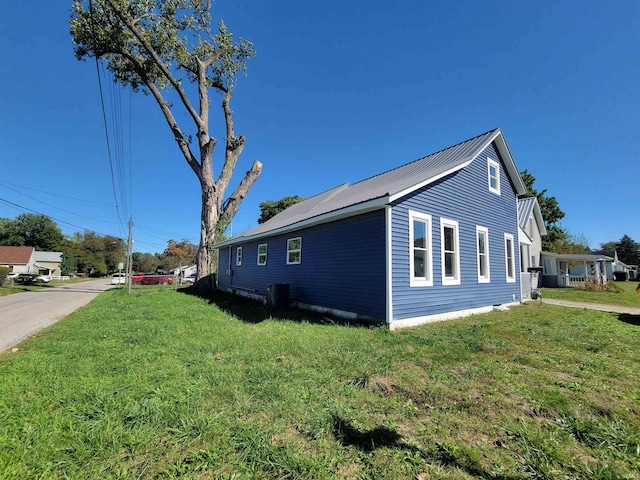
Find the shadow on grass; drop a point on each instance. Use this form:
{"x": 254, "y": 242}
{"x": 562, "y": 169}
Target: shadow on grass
{"x": 367, "y": 441}
{"x": 254, "y": 311}
{"x": 630, "y": 319}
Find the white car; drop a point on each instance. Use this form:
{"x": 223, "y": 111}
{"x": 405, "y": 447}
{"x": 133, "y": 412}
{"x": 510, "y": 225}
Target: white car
{"x": 189, "y": 279}
{"x": 119, "y": 278}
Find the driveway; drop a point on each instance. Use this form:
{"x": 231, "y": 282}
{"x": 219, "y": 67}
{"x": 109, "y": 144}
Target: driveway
{"x": 24, "y": 314}
{"x": 593, "y": 306}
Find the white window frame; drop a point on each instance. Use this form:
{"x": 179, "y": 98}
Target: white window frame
{"x": 455, "y": 279}
{"x": 426, "y": 281}
{"x": 509, "y": 252}
{"x": 238, "y": 256}
{"x": 262, "y": 256}
{"x": 294, "y": 250}
{"x": 487, "y": 277}
{"x": 496, "y": 165}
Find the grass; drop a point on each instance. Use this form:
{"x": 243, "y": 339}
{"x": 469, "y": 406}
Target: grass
{"x": 626, "y": 298}
{"x": 162, "y": 384}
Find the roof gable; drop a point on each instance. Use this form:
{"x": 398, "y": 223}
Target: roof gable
{"x": 379, "y": 190}
{"x": 15, "y": 255}
{"x": 526, "y": 208}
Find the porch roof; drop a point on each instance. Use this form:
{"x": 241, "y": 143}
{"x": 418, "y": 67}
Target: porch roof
{"x": 580, "y": 257}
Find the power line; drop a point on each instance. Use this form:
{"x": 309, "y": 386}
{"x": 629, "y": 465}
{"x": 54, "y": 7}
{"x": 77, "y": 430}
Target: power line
{"x": 104, "y": 117}
{"x": 55, "y": 194}
{"x": 22, "y": 207}
{"x": 57, "y": 208}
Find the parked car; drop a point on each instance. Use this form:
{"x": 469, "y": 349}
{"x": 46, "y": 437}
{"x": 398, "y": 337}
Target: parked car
{"x": 43, "y": 278}
{"x": 136, "y": 278}
{"x": 152, "y": 279}
{"x": 119, "y": 278}
{"x": 189, "y": 279}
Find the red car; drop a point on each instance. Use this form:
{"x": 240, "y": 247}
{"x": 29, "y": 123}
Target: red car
{"x": 151, "y": 279}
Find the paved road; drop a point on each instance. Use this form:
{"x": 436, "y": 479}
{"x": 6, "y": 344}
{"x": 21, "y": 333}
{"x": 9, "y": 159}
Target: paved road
{"x": 593, "y": 306}
{"x": 23, "y": 314}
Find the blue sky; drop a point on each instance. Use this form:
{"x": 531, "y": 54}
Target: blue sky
{"x": 339, "y": 91}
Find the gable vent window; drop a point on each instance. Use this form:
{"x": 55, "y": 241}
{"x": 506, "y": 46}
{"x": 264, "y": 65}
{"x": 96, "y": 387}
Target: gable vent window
{"x": 494, "y": 176}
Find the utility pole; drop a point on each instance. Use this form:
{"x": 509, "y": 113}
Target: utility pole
{"x": 129, "y": 253}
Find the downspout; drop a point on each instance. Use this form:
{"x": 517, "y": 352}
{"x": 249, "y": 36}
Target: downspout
{"x": 229, "y": 271}
{"x": 389, "y": 266}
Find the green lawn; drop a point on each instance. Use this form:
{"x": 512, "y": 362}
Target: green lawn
{"x": 626, "y": 298}
{"x": 162, "y": 384}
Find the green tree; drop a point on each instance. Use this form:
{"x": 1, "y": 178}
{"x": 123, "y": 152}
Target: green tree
{"x": 31, "y": 230}
{"x": 155, "y": 45}
{"x": 144, "y": 262}
{"x": 628, "y": 250}
{"x": 551, "y": 214}
{"x": 69, "y": 264}
{"x": 271, "y": 208}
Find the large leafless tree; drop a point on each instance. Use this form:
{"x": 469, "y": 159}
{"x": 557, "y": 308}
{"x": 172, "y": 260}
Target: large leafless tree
{"x": 153, "y": 46}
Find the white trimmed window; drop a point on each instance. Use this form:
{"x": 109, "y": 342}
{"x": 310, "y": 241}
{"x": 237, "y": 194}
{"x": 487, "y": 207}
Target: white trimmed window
{"x": 238, "y": 256}
{"x": 509, "y": 257}
{"x": 420, "y": 256}
{"x": 294, "y": 251}
{"x": 262, "y": 254}
{"x": 482, "y": 247}
{"x": 493, "y": 168}
{"x": 450, "y": 250}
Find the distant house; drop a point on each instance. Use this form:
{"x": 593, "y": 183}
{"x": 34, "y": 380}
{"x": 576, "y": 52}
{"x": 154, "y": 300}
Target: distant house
{"x": 18, "y": 259}
{"x": 567, "y": 270}
{"x": 185, "y": 271}
{"x": 49, "y": 263}
{"x": 530, "y": 233}
{"x": 434, "y": 239}
{"x": 615, "y": 269}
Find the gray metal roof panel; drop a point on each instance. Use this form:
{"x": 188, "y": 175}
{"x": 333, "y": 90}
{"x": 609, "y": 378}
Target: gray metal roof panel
{"x": 384, "y": 185}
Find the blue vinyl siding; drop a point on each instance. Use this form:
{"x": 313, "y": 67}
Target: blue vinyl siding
{"x": 342, "y": 267}
{"x": 463, "y": 196}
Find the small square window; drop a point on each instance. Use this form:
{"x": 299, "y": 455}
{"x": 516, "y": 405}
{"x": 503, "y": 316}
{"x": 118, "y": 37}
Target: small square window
{"x": 294, "y": 251}
{"x": 494, "y": 176}
{"x": 238, "y": 256}
{"x": 262, "y": 254}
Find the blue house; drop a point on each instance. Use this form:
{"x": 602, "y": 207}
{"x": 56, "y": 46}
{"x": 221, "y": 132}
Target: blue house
{"x": 431, "y": 240}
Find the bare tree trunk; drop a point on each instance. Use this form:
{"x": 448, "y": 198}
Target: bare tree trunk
{"x": 209, "y": 217}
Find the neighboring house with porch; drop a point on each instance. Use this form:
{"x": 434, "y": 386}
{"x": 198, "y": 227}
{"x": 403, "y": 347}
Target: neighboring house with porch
{"x": 434, "y": 239}
{"x": 18, "y": 259}
{"x": 49, "y": 264}
{"x": 568, "y": 270}
{"x": 616, "y": 270}
{"x": 530, "y": 232}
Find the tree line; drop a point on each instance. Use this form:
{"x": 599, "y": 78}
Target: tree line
{"x": 89, "y": 253}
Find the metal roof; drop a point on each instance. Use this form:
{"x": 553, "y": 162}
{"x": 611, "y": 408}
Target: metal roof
{"x": 379, "y": 190}
{"x": 53, "y": 257}
{"x": 526, "y": 207}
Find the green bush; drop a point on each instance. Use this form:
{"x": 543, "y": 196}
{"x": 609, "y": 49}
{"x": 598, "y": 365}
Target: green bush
{"x": 4, "y": 274}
